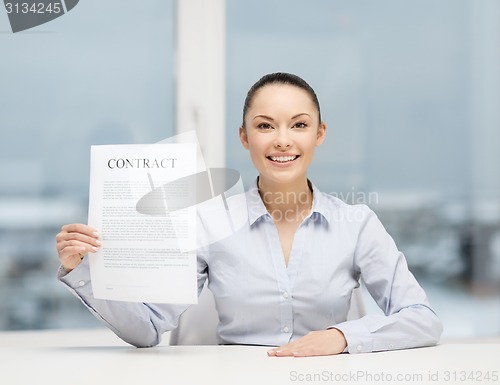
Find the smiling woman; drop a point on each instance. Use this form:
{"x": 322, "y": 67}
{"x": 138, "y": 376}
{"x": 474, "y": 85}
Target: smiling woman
{"x": 286, "y": 278}
{"x": 281, "y": 126}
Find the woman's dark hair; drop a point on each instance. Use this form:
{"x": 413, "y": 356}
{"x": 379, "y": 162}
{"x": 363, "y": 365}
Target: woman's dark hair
{"x": 279, "y": 78}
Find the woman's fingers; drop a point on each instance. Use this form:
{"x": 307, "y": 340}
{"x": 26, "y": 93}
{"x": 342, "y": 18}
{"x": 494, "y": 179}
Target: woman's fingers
{"x": 316, "y": 343}
{"x": 71, "y": 239}
{"x": 80, "y": 228}
{"x": 76, "y": 247}
{"x": 77, "y": 232}
{"x": 74, "y": 241}
{"x": 288, "y": 350}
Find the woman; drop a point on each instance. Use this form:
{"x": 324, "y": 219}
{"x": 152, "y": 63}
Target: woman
{"x": 285, "y": 279}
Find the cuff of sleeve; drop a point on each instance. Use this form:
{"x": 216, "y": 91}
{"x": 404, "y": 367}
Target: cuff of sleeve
{"x": 77, "y": 279}
{"x": 62, "y": 272}
{"x": 358, "y": 337}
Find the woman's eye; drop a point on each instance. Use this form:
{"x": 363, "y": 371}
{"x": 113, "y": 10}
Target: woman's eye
{"x": 264, "y": 126}
{"x": 300, "y": 125}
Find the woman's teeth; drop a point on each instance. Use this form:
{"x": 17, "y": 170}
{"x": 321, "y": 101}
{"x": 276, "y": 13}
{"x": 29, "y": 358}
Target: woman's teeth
{"x": 283, "y": 159}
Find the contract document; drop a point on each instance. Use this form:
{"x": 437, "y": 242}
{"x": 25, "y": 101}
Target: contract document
{"x": 144, "y": 257}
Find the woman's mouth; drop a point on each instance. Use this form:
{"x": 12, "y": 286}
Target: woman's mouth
{"x": 283, "y": 159}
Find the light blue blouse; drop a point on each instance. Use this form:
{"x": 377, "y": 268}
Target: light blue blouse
{"x": 262, "y": 301}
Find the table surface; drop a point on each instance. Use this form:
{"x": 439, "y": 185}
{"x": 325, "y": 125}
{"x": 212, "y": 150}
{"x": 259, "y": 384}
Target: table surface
{"x": 97, "y": 355}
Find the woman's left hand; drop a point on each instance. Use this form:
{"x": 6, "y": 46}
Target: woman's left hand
{"x": 316, "y": 343}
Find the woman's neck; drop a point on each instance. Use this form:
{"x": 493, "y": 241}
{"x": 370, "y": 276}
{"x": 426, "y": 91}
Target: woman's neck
{"x": 287, "y": 200}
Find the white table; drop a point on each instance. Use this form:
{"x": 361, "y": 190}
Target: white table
{"x": 73, "y": 357}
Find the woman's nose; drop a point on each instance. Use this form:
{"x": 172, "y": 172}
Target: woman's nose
{"x": 283, "y": 139}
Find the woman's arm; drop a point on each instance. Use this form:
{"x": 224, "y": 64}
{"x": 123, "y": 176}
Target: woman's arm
{"x": 409, "y": 320}
{"x": 139, "y": 324}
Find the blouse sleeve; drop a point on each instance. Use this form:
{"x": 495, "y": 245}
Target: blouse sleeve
{"x": 139, "y": 324}
{"x": 409, "y": 321}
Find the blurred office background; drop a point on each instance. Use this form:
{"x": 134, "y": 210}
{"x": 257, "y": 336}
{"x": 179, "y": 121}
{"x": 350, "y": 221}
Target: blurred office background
{"x": 410, "y": 91}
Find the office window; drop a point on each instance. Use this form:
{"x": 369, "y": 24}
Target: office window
{"x": 100, "y": 74}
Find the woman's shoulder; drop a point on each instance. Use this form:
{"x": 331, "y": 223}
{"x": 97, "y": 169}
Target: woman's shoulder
{"x": 333, "y": 203}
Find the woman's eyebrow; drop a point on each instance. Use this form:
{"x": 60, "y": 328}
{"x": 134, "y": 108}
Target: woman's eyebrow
{"x": 263, "y": 116}
{"x": 269, "y": 118}
{"x": 303, "y": 113}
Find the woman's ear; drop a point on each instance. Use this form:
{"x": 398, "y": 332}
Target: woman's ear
{"x": 243, "y": 137}
{"x": 320, "y": 138}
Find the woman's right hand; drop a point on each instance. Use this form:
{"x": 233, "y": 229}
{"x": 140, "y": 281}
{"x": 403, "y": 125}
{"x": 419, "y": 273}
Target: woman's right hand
{"x": 74, "y": 241}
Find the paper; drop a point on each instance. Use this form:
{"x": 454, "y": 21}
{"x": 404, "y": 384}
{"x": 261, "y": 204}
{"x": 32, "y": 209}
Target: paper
{"x": 144, "y": 257}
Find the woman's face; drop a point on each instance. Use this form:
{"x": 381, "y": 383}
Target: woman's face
{"x": 282, "y": 128}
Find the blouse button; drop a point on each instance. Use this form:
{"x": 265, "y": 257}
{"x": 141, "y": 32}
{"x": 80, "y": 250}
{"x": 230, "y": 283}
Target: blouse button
{"x": 81, "y": 283}
{"x": 286, "y": 329}
{"x": 285, "y": 295}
